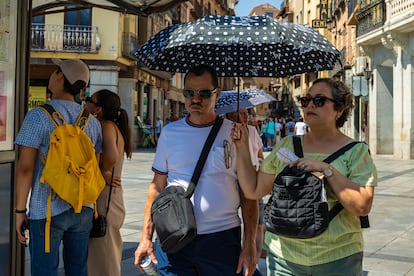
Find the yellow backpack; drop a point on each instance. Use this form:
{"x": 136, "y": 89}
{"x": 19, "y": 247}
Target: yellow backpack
{"x": 71, "y": 168}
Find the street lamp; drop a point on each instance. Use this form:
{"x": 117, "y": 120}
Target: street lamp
{"x": 330, "y": 24}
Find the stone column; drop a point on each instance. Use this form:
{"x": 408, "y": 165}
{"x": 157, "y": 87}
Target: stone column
{"x": 404, "y": 141}
{"x": 128, "y": 96}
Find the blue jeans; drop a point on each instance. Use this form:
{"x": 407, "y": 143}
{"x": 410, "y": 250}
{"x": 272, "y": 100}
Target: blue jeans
{"x": 210, "y": 254}
{"x": 71, "y": 228}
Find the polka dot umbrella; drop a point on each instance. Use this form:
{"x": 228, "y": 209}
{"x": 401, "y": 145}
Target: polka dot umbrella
{"x": 247, "y": 46}
{"x": 232, "y": 101}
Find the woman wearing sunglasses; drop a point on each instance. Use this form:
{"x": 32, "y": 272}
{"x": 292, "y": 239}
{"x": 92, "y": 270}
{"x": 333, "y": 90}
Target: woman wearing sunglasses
{"x": 105, "y": 253}
{"x": 350, "y": 180}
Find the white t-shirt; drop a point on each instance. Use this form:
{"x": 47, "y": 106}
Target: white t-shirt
{"x": 300, "y": 128}
{"x": 216, "y": 198}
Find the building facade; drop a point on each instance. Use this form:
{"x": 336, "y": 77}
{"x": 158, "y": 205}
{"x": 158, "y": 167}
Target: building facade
{"x": 384, "y": 34}
{"x": 107, "y": 40}
{"x": 374, "y": 38}
{"x": 269, "y": 85}
{"x": 105, "y": 34}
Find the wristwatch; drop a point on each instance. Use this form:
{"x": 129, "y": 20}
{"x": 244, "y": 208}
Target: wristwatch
{"x": 328, "y": 171}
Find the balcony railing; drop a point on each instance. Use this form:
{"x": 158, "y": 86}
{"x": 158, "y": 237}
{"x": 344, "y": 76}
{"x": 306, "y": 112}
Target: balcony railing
{"x": 65, "y": 38}
{"x": 371, "y": 16}
{"x": 400, "y": 9}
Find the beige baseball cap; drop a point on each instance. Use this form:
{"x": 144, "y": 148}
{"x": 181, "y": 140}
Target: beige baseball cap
{"x": 73, "y": 69}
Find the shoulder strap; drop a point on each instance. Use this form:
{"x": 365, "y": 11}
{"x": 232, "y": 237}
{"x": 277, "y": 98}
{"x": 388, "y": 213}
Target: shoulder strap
{"x": 341, "y": 151}
{"x": 203, "y": 156}
{"x": 335, "y": 210}
{"x": 53, "y": 114}
{"x": 297, "y": 145}
{"x": 83, "y": 118}
{"x": 55, "y": 117}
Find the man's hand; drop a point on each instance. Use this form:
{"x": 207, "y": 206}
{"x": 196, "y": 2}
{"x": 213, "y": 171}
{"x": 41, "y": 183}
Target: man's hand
{"x": 21, "y": 219}
{"x": 247, "y": 259}
{"x": 144, "y": 248}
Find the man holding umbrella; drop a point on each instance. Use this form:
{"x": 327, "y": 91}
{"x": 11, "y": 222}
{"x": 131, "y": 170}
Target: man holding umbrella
{"x": 217, "y": 249}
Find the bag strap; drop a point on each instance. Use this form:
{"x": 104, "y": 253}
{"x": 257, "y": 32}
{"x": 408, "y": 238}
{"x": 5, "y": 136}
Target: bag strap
{"x": 112, "y": 178}
{"x": 203, "y": 156}
{"x": 83, "y": 119}
{"x": 297, "y": 145}
{"x": 341, "y": 151}
{"x": 53, "y": 114}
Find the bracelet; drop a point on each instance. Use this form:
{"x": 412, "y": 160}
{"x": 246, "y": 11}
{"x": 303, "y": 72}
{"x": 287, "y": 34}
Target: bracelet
{"x": 20, "y": 211}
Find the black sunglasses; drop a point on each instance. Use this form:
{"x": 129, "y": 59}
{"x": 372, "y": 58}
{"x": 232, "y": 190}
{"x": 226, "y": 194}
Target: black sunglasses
{"x": 203, "y": 93}
{"x": 318, "y": 101}
{"x": 89, "y": 100}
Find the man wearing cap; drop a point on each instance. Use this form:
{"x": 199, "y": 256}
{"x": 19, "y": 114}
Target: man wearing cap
{"x": 70, "y": 77}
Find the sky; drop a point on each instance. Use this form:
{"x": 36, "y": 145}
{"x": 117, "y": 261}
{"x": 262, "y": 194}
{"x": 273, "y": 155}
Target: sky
{"x": 244, "y": 7}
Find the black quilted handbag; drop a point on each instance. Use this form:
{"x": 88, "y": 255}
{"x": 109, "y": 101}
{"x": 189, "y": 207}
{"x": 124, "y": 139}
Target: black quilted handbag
{"x": 99, "y": 227}
{"x": 298, "y": 206}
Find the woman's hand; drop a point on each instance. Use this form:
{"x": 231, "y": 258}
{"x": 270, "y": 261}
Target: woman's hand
{"x": 309, "y": 165}
{"x": 240, "y": 134}
{"x": 109, "y": 180}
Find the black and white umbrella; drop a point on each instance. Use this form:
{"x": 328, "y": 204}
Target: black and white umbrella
{"x": 232, "y": 101}
{"x": 246, "y": 46}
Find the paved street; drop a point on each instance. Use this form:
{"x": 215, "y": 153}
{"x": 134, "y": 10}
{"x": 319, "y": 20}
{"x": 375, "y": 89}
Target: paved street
{"x": 389, "y": 243}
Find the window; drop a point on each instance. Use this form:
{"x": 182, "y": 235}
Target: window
{"x": 78, "y": 17}
{"x": 38, "y": 31}
{"x": 77, "y": 33}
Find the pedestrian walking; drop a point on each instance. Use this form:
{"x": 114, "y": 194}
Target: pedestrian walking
{"x": 256, "y": 153}
{"x": 278, "y": 130}
{"x": 263, "y": 134}
{"x": 300, "y": 127}
{"x": 290, "y": 127}
{"x": 158, "y": 127}
{"x": 217, "y": 249}
{"x": 350, "y": 181}
{"x": 270, "y": 132}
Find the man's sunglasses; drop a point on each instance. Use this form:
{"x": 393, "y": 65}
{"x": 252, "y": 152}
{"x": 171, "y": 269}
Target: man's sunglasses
{"x": 203, "y": 93}
{"x": 318, "y": 101}
{"x": 89, "y": 100}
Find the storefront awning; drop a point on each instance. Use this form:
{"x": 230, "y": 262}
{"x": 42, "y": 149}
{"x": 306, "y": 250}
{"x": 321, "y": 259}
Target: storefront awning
{"x": 136, "y": 7}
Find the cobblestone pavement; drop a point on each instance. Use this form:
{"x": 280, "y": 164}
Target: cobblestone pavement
{"x": 389, "y": 243}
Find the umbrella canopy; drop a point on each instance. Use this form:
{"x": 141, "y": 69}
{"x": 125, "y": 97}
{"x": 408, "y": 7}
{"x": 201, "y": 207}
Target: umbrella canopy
{"x": 228, "y": 100}
{"x": 247, "y": 46}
